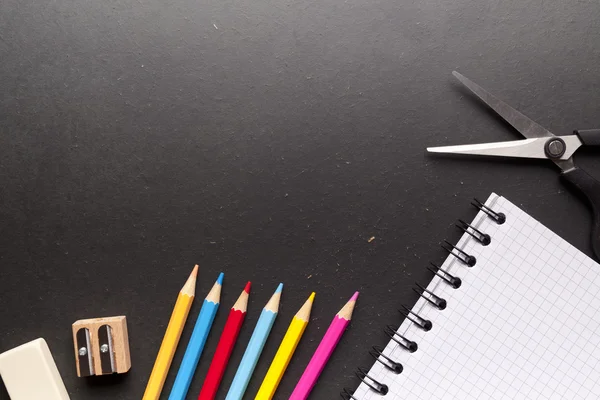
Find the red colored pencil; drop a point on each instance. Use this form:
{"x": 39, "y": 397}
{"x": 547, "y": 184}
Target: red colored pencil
{"x": 225, "y": 346}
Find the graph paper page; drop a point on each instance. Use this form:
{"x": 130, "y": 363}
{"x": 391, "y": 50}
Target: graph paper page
{"x": 525, "y": 323}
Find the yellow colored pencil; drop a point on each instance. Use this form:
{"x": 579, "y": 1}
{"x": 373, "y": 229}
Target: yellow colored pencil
{"x": 286, "y": 351}
{"x": 171, "y": 339}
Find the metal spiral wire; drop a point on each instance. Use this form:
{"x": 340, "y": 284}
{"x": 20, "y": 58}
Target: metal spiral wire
{"x": 438, "y": 302}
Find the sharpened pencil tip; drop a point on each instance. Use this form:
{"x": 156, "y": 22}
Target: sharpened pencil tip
{"x": 190, "y": 285}
{"x": 273, "y": 304}
{"x": 348, "y": 309}
{"x": 215, "y": 293}
{"x": 242, "y": 302}
{"x": 304, "y": 312}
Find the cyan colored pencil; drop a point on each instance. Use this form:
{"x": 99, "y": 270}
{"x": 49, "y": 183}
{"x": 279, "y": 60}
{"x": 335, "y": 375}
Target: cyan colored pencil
{"x": 255, "y": 347}
{"x": 197, "y": 342}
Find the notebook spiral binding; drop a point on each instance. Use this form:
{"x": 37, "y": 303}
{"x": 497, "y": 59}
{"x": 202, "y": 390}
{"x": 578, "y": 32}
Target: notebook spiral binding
{"x": 438, "y": 302}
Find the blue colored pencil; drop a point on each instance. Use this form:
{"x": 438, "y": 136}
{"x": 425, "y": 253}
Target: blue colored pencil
{"x": 197, "y": 341}
{"x": 255, "y": 347}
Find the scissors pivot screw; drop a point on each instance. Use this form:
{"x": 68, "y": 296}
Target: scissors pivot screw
{"x": 555, "y": 148}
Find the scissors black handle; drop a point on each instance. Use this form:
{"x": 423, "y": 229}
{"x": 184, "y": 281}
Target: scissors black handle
{"x": 589, "y": 137}
{"x": 590, "y": 188}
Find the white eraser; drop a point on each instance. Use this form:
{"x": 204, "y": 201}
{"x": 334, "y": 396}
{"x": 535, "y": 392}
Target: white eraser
{"x": 29, "y": 373}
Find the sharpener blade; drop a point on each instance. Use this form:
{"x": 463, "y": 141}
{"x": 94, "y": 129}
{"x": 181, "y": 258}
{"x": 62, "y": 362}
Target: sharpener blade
{"x": 107, "y": 352}
{"x": 84, "y": 353}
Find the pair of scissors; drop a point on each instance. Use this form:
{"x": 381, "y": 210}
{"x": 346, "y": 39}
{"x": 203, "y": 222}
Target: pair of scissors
{"x": 540, "y": 143}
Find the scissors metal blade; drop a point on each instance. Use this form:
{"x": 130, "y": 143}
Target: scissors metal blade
{"x": 526, "y": 148}
{"x": 520, "y": 122}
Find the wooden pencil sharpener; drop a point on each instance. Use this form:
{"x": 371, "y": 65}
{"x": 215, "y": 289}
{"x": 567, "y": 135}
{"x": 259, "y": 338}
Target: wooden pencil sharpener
{"x": 101, "y": 346}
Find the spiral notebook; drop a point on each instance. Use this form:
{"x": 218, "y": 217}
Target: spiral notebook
{"x": 513, "y": 313}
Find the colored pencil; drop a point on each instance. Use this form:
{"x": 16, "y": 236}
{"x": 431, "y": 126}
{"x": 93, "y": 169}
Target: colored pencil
{"x": 286, "y": 351}
{"x": 255, "y": 347}
{"x": 328, "y": 343}
{"x": 171, "y": 339}
{"x": 197, "y": 342}
{"x": 225, "y": 346}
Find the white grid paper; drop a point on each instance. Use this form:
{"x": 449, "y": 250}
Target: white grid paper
{"x": 523, "y": 325}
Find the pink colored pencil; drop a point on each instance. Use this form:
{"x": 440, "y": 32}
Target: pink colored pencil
{"x": 328, "y": 343}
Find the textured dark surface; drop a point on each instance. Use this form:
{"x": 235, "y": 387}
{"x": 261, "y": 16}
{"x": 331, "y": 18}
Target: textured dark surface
{"x": 270, "y": 140}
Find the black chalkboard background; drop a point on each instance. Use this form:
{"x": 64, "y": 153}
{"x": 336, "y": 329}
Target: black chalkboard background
{"x": 271, "y": 140}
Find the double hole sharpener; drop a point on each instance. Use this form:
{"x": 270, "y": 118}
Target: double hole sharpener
{"x": 101, "y": 346}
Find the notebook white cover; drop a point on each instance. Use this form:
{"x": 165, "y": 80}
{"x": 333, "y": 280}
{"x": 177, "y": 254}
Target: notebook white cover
{"x": 525, "y": 323}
